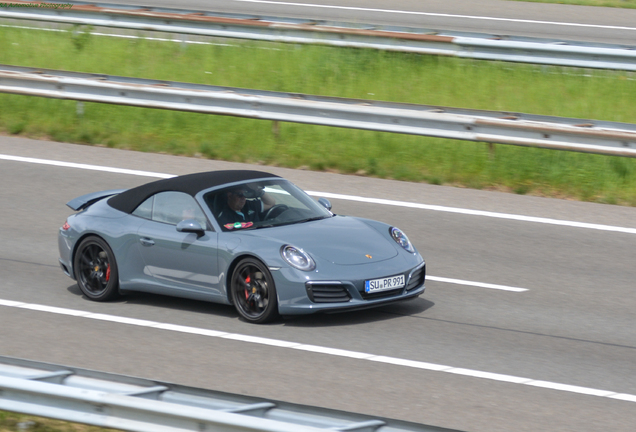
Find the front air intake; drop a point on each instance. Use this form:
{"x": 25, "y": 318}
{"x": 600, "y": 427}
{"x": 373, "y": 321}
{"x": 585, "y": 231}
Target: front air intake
{"x": 329, "y": 292}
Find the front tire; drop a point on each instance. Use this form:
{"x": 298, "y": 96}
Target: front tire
{"x": 96, "y": 269}
{"x": 253, "y": 292}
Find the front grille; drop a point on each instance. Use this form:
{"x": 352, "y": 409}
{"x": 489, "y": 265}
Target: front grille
{"x": 327, "y": 293}
{"x": 417, "y": 278}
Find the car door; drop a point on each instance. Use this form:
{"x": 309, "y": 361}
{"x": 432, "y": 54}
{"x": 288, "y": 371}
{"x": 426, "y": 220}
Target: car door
{"x": 178, "y": 260}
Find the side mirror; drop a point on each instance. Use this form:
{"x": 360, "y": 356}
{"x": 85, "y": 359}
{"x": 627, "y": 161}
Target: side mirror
{"x": 190, "y": 226}
{"x": 325, "y": 203}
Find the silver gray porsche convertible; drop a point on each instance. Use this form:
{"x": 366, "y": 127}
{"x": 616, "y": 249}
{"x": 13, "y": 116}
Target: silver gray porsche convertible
{"x": 246, "y": 238}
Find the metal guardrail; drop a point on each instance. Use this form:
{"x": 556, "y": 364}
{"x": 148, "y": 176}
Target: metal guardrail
{"x": 423, "y": 41}
{"x": 591, "y": 136}
{"x": 134, "y": 404}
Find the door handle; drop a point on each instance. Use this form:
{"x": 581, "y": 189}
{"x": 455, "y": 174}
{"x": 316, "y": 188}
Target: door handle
{"x": 146, "y": 241}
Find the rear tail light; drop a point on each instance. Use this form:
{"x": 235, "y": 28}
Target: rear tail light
{"x": 66, "y": 226}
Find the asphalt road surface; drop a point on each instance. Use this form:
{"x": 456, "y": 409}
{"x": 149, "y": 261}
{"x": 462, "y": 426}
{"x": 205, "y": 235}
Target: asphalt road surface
{"x": 554, "y": 21}
{"x": 559, "y": 355}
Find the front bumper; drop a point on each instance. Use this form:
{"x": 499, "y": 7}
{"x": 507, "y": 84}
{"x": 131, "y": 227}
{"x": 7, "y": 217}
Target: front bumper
{"x": 346, "y": 295}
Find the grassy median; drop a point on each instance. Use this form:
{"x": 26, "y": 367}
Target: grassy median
{"x": 12, "y": 422}
{"x": 320, "y": 70}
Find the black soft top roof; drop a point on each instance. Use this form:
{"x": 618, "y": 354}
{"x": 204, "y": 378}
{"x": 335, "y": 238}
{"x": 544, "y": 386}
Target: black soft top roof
{"x": 190, "y": 183}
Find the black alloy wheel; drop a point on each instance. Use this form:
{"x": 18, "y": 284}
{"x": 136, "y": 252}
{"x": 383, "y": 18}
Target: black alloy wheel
{"x": 96, "y": 269}
{"x": 253, "y": 291}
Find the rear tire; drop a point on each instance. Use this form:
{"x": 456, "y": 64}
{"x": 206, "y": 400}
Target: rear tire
{"x": 253, "y": 292}
{"x": 96, "y": 269}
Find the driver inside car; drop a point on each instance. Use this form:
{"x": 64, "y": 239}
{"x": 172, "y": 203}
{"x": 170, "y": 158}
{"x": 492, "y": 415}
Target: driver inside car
{"x": 238, "y": 208}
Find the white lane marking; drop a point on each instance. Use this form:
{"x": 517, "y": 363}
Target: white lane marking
{"x": 571, "y": 388}
{"x": 324, "y": 350}
{"x": 477, "y": 284}
{"x": 476, "y": 212}
{"x": 401, "y": 12}
{"x": 625, "y": 397}
{"x": 85, "y": 166}
{"x": 347, "y": 197}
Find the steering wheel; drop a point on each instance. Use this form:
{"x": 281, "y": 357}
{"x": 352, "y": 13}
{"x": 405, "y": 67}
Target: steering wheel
{"x": 276, "y": 211}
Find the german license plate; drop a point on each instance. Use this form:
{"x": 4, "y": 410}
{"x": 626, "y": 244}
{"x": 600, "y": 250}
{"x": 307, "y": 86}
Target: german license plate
{"x": 384, "y": 284}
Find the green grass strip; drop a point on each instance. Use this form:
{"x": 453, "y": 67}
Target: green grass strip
{"x": 14, "y": 422}
{"x": 320, "y": 70}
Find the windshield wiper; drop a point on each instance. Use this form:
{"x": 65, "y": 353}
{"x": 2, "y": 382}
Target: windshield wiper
{"x": 265, "y": 226}
{"x": 315, "y": 218}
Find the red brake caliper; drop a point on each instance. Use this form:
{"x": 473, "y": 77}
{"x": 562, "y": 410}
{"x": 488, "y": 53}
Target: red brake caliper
{"x": 247, "y": 281}
{"x": 108, "y": 273}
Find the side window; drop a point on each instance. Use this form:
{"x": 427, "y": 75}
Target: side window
{"x": 145, "y": 209}
{"x": 173, "y": 207}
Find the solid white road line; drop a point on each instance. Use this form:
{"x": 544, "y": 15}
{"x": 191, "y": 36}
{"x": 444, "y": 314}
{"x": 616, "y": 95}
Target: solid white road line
{"x": 477, "y": 284}
{"x": 476, "y": 212}
{"x": 85, "y": 166}
{"x": 346, "y": 197}
{"x": 433, "y": 14}
{"x": 323, "y": 350}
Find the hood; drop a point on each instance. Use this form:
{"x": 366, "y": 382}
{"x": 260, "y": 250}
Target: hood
{"x": 341, "y": 240}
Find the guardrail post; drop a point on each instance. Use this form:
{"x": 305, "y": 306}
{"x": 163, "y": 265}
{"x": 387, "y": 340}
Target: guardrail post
{"x": 491, "y": 151}
{"x": 79, "y": 109}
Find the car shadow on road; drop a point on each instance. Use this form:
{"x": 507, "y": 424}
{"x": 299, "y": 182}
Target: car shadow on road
{"x": 166, "y": 302}
{"x": 346, "y": 318}
{"x": 382, "y": 313}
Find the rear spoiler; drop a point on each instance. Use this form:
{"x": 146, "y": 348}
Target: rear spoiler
{"x": 84, "y": 201}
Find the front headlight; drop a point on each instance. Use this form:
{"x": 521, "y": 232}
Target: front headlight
{"x": 297, "y": 258}
{"x": 401, "y": 239}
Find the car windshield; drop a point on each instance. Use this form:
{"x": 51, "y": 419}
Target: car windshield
{"x": 263, "y": 204}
